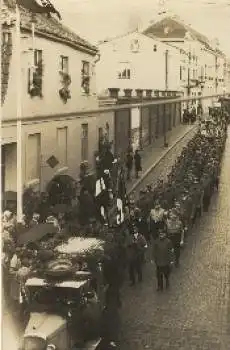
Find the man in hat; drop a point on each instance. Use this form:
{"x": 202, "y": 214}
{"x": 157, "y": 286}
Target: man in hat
{"x": 129, "y": 164}
{"x": 174, "y": 231}
{"x": 162, "y": 255}
{"x": 137, "y": 161}
{"x": 135, "y": 255}
{"x": 142, "y": 224}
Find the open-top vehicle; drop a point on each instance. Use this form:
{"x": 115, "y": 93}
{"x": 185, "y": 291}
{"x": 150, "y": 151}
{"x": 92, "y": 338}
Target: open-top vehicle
{"x": 65, "y": 300}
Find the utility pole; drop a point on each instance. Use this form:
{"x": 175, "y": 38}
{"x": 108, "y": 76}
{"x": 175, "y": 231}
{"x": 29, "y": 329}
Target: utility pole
{"x": 19, "y": 118}
{"x": 166, "y": 69}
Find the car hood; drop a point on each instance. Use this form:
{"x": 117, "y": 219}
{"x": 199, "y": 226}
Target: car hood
{"x": 44, "y": 325}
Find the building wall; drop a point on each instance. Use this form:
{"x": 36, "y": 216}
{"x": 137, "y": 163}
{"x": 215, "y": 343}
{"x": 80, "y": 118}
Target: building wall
{"x": 41, "y": 139}
{"x": 10, "y": 166}
{"x": 35, "y": 169}
{"x": 147, "y": 67}
{"x": 50, "y": 103}
{"x": 105, "y": 121}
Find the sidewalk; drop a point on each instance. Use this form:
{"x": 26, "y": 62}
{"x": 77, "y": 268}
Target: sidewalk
{"x": 152, "y": 155}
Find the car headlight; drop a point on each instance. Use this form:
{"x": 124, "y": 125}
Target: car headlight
{"x": 51, "y": 347}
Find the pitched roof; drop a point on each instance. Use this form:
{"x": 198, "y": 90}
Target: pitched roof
{"x": 52, "y": 29}
{"x": 176, "y": 29}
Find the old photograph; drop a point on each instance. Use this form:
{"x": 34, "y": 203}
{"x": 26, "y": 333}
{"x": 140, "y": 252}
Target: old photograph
{"x": 115, "y": 174}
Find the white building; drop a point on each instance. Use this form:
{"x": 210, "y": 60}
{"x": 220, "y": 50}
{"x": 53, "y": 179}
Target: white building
{"x": 136, "y": 62}
{"x": 204, "y": 66}
{"x": 57, "y": 84}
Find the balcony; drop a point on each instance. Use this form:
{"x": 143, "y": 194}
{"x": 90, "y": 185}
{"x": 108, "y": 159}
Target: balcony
{"x": 139, "y": 93}
{"x": 113, "y": 92}
{"x": 148, "y": 93}
{"x": 128, "y": 93}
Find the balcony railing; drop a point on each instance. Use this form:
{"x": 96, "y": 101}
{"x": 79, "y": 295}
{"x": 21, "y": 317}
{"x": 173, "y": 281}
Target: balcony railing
{"x": 116, "y": 93}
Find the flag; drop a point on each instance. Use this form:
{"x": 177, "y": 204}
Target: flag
{"x": 121, "y": 198}
{"x": 47, "y": 4}
{"x": 34, "y": 7}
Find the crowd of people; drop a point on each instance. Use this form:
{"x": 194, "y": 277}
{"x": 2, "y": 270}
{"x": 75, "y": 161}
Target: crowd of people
{"x": 163, "y": 216}
{"x": 159, "y": 220}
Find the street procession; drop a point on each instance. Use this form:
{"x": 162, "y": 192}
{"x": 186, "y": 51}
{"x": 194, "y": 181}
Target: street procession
{"x": 111, "y": 190}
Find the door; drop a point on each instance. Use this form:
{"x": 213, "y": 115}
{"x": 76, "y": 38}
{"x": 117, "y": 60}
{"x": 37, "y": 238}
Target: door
{"x": 122, "y": 131}
{"x": 154, "y": 123}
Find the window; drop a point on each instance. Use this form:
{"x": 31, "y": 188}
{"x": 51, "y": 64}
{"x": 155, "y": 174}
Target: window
{"x": 84, "y": 142}
{"x": 37, "y": 57}
{"x": 64, "y": 63}
{"x": 124, "y": 71}
{"x": 6, "y": 38}
{"x": 154, "y": 48}
{"x": 100, "y": 134}
{"x": 62, "y": 145}
{"x": 33, "y": 156}
{"x": 35, "y": 75}
{"x": 85, "y": 77}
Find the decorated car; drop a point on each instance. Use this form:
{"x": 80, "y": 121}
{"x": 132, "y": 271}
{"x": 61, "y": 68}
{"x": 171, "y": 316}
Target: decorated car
{"x": 65, "y": 298}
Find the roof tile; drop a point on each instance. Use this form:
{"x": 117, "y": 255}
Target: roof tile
{"x": 51, "y": 26}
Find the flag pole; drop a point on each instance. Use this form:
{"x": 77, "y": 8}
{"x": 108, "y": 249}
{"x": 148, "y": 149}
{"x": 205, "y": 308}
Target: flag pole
{"x": 33, "y": 47}
{"x": 19, "y": 119}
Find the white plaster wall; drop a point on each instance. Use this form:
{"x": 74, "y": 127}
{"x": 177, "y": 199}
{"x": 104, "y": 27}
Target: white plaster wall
{"x": 10, "y": 167}
{"x": 50, "y": 103}
{"x": 147, "y": 67}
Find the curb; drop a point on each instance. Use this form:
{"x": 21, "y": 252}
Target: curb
{"x": 146, "y": 173}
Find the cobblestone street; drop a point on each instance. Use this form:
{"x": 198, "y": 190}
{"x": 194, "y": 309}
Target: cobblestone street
{"x": 194, "y": 314}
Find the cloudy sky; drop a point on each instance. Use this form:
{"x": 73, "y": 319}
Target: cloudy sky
{"x": 99, "y": 19}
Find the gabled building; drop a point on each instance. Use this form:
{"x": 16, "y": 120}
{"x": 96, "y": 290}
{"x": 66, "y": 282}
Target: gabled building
{"x": 205, "y": 63}
{"x": 58, "y": 82}
{"x": 137, "y": 66}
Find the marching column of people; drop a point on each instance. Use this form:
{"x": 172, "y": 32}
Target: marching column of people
{"x": 164, "y": 215}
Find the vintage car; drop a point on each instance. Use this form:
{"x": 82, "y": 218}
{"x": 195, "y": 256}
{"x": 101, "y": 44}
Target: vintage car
{"x": 66, "y": 303}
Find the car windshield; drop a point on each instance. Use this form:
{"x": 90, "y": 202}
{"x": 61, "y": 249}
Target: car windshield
{"x": 34, "y": 343}
{"x": 50, "y": 296}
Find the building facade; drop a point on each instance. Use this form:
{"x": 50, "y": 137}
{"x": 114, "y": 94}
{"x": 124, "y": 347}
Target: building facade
{"x": 57, "y": 77}
{"x": 203, "y": 70}
{"x": 134, "y": 65}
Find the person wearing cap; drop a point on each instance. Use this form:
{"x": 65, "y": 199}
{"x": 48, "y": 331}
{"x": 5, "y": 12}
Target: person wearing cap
{"x": 156, "y": 219}
{"x": 135, "y": 255}
{"x": 129, "y": 164}
{"x": 15, "y": 265}
{"x": 35, "y": 220}
{"x": 137, "y": 162}
{"x": 174, "y": 228}
{"x": 142, "y": 224}
{"x": 162, "y": 255}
